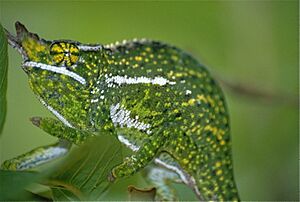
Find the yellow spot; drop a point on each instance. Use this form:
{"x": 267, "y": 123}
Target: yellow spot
{"x": 191, "y": 101}
{"x": 138, "y": 58}
{"x": 195, "y": 128}
{"x": 202, "y": 98}
{"x": 184, "y": 104}
{"x": 178, "y": 74}
{"x": 222, "y": 142}
{"x": 174, "y": 57}
{"x": 219, "y": 172}
{"x": 175, "y": 110}
{"x": 158, "y": 94}
{"x": 185, "y": 161}
{"x": 218, "y": 164}
{"x": 214, "y": 130}
{"x": 167, "y": 104}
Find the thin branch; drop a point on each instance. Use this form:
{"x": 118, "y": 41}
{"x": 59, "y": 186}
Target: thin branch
{"x": 15, "y": 43}
{"x": 259, "y": 94}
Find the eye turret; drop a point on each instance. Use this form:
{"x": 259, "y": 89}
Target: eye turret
{"x": 63, "y": 53}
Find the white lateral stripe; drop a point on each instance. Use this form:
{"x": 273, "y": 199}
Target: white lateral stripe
{"x": 127, "y": 143}
{"x": 121, "y": 117}
{"x": 90, "y": 48}
{"x": 58, "y": 115}
{"x": 136, "y": 80}
{"x": 59, "y": 70}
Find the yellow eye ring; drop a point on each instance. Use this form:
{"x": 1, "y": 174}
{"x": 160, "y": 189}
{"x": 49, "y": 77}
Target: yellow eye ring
{"x": 63, "y": 53}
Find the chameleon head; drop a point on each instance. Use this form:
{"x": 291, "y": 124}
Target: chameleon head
{"x": 60, "y": 72}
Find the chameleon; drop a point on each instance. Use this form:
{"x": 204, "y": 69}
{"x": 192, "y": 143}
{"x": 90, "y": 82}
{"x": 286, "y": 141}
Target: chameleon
{"x": 155, "y": 98}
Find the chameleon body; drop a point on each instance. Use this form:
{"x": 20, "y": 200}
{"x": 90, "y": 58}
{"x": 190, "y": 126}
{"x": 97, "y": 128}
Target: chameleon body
{"x": 155, "y": 98}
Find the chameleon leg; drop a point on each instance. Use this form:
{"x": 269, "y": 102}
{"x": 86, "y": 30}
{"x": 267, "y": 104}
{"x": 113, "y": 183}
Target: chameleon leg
{"x": 58, "y": 129}
{"x": 47, "y": 153}
{"x": 37, "y": 156}
{"x": 138, "y": 160}
{"x": 166, "y": 172}
{"x": 162, "y": 179}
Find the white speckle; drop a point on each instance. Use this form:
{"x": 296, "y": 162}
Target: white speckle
{"x": 94, "y": 100}
{"x": 188, "y": 92}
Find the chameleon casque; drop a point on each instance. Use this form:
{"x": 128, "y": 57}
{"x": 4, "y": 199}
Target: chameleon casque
{"x": 155, "y": 98}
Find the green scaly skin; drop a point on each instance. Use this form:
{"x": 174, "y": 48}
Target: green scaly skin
{"x": 155, "y": 98}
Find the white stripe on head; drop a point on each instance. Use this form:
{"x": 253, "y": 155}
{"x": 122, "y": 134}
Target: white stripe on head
{"x": 119, "y": 80}
{"x": 90, "y": 48}
{"x": 56, "y": 113}
{"x": 59, "y": 70}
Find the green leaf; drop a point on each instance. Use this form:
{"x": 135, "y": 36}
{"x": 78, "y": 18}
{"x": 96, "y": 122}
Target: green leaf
{"x": 13, "y": 184}
{"x": 84, "y": 173}
{"x": 3, "y": 76}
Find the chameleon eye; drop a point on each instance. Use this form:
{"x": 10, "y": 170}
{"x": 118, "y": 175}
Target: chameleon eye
{"x": 64, "y": 53}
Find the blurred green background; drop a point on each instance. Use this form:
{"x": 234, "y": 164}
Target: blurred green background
{"x": 249, "y": 42}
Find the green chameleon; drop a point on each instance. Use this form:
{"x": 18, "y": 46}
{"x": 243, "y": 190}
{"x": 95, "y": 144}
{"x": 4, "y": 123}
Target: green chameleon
{"x": 155, "y": 98}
